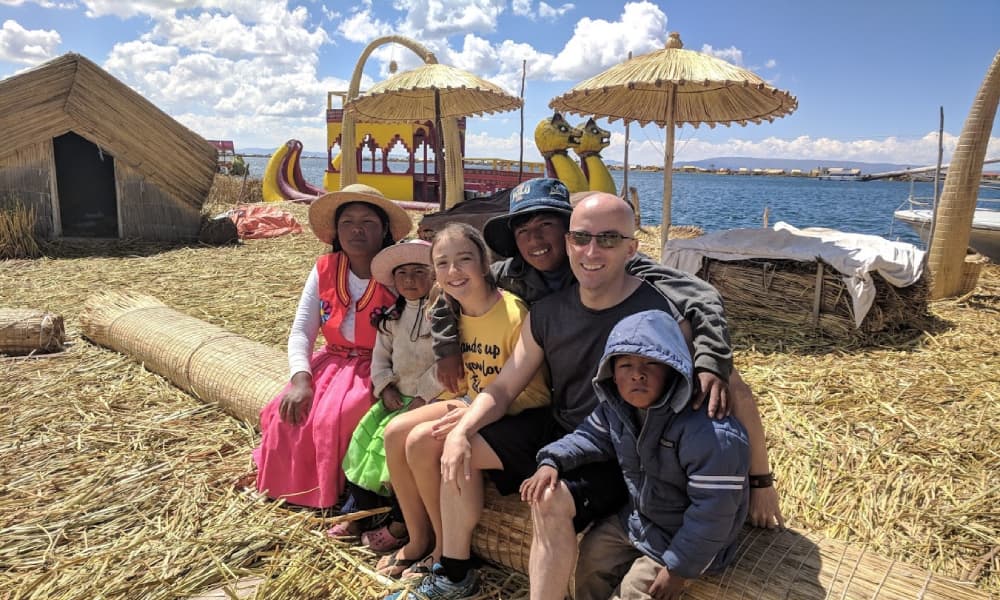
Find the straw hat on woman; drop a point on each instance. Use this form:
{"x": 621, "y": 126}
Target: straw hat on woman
{"x": 306, "y": 428}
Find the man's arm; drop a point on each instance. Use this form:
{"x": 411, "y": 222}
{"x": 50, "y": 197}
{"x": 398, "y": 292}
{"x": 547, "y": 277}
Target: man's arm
{"x": 492, "y": 403}
{"x": 699, "y": 303}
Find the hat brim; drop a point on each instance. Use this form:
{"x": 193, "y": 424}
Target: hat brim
{"x": 499, "y": 236}
{"x": 385, "y": 262}
{"x": 323, "y": 209}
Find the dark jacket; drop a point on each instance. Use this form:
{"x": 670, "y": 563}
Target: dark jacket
{"x": 686, "y": 473}
{"x": 698, "y": 301}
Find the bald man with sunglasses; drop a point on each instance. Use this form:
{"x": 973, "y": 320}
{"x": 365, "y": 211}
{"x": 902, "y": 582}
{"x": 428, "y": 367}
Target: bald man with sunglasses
{"x": 567, "y": 330}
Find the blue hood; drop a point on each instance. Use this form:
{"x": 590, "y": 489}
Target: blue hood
{"x": 652, "y": 334}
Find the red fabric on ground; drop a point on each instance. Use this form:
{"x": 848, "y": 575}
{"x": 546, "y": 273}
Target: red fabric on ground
{"x": 258, "y": 221}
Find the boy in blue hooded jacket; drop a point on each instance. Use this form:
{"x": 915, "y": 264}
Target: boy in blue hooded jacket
{"x": 686, "y": 473}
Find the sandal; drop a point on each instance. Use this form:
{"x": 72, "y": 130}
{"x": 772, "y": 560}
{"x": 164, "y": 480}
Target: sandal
{"x": 342, "y": 532}
{"x": 392, "y": 565}
{"x": 382, "y": 541}
{"x": 419, "y": 569}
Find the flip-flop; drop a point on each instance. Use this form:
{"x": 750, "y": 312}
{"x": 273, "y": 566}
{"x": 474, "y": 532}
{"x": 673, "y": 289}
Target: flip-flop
{"x": 419, "y": 569}
{"x": 342, "y": 532}
{"x": 391, "y": 565}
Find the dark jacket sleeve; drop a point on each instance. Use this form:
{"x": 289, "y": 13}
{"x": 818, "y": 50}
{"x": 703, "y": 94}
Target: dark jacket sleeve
{"x": 444, "y": 329}
{"x": 590, "y": 442}
{"x": 700, "y": 304}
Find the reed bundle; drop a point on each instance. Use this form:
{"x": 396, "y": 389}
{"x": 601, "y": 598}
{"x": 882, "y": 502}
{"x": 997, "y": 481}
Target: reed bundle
{"x": 26, "y": 331}
{"x": 205, "y": 360}
{"x": 17, "y": 230}
{"x": 809, "y": 297}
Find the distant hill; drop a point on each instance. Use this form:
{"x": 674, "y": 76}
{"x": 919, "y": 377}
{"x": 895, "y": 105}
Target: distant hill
{"x": 270, "y": 151}
{"x": 735, "y": 162}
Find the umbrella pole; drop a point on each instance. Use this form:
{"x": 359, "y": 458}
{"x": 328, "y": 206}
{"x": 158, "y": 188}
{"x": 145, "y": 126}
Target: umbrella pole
{"x": 668, "y": 169}
{"x": 624, "y": 193}
{"x": 438, "y": 160}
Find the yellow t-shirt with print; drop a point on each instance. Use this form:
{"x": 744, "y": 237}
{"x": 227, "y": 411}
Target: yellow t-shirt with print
{"x": 488, "y": 341}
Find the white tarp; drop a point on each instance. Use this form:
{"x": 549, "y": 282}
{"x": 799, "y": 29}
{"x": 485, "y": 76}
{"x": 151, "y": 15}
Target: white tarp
{"x": 854, "y": 255}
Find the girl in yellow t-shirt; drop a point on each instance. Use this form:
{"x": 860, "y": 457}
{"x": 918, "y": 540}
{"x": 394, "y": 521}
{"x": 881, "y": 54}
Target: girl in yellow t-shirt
{"x": 490, "y": 322}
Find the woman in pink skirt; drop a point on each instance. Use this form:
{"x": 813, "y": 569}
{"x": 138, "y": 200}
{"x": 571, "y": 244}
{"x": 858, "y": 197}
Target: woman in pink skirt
{"x": 305, "y": 430}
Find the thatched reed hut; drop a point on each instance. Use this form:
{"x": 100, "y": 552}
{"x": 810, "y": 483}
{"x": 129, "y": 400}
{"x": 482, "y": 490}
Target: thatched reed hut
{"x": 96, "y": 159}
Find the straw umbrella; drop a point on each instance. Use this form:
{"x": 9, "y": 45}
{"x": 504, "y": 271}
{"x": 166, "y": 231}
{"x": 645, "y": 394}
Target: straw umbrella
{"x": 438, "y": 92}
{"x": 671, "y": 87}
{"x": 957, "y": 207}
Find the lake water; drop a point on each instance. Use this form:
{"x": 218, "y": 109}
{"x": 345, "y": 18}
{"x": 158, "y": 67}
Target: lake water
{"x": 716, "y": 202}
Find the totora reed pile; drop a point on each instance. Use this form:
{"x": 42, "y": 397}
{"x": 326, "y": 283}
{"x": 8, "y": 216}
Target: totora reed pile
{"x": 119, "y": 485}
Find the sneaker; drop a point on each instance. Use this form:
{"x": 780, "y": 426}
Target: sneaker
{"x": 437, "y": 586}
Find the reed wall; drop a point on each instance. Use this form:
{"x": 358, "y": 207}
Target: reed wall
{"x": 27, "y": 175}
{"x": 148, "y": 212}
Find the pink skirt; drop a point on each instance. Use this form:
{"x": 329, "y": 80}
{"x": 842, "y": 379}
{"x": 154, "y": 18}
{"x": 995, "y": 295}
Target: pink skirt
{"x": 302, "y": 464}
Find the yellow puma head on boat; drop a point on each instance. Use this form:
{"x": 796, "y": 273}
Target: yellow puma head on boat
{"x": 555, "y": 134}
{"x": 594, "y": 139}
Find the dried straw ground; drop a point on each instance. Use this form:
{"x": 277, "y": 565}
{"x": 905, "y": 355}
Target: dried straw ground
{"x": 117, "y": 485}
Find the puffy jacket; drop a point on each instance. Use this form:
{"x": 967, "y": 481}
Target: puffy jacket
{"x": 686, "y": 473}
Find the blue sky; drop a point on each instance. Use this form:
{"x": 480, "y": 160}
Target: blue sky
{"x": 869, "y": 75}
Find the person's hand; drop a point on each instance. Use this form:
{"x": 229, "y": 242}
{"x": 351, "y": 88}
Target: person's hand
{"x": 392, "y": 400}
{"x": 545, "y": 478}
{"x": 450, "y": 372}
{"x": 456, "y": 458}
{"x": 714, "y": 388}
{"x": 765, "y": 510}
{"x": 296, "y": 402}
{"x": 667, "y": 586}
{"x": 416, "y": 402}
{"x": 443, "y": 426}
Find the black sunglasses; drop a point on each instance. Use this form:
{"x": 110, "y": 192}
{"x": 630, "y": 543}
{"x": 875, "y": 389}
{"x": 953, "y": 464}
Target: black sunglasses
{"x": 610, "y": 239}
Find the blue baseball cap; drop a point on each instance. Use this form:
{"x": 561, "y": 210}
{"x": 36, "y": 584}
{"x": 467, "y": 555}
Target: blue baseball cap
{"x": 535, "y": 195}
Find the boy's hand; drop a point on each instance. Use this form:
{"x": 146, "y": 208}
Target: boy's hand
{"x": 532, "y": 488}
{"x": 417, "y": 402}
{"x": 392, "y": 400}
{"x": 667, "y": 586}
{"x": 716, "y": 389}
{"x": 450, "y": 373}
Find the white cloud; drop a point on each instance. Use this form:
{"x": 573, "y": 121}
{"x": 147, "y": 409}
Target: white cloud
{"x": 41, "y": 3}
{"x": 24, "y": 46}
{"x": 522, "y": 8}
{"x": 731, "y": 54}
{"x": 441, "y": 18}
{"x": 770, "y": 64}
{"x": 362, "y": 27}
{"x": 546, "y": 11}
{"x": 597, "y": 44}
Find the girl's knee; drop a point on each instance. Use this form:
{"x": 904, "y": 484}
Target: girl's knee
{"x": 421, "y": 446}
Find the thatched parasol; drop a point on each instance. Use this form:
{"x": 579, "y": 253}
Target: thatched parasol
{"x": 955, "y": 211}
{"x": 672, "y": 87}
{"x": 434, "y": 91}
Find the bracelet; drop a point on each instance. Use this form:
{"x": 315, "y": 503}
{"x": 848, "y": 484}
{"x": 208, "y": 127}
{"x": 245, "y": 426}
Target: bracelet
{"x": 762, "y": 481}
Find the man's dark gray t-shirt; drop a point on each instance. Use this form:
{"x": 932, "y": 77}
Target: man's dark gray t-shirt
{"x": 572, "y": 338}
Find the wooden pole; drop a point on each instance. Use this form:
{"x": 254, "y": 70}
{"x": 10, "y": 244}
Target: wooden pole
{"x": 438, "y": 159}
{"x": 668, "y": 167}
{"x": 520, "y": 138}
{"x": 625, "y": 172}
{"x": 937, "y": 174}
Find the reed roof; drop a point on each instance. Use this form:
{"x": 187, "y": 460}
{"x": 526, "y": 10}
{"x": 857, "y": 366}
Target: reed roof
{"x": 71, "y": 93}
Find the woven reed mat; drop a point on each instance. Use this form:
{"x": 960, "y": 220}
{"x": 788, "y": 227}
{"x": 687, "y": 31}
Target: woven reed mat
{"x": 25, "y": 330}
{"x": 241, "y": 376}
